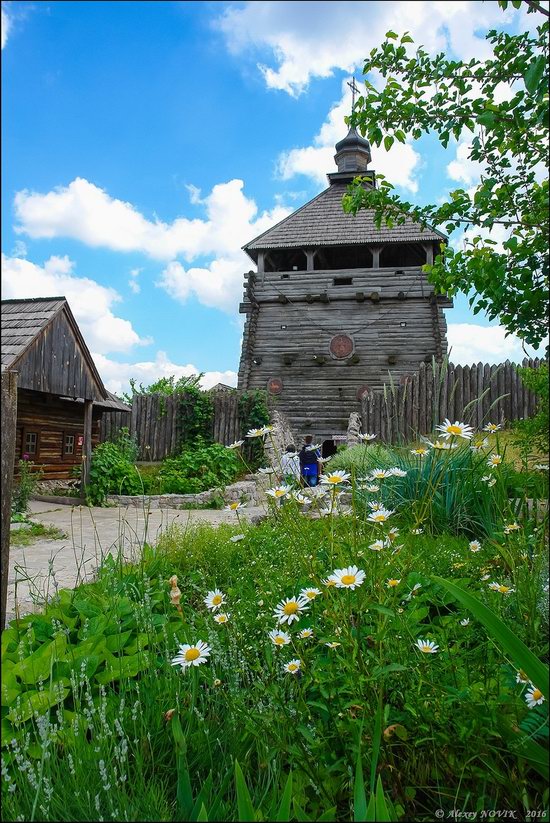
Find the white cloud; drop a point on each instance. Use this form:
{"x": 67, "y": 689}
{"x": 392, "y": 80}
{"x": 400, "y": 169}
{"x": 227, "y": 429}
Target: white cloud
{"x": 305, "y": 43}
{"x": 6, "y": 25}
{"x": 84, "y": 212}
{"x": 91, "y": 303}
{"x": 472, "y": 343}
{"x": 399, "y": 164}
{"x": 133, "y": 283}
{"x": 116, "y": 376}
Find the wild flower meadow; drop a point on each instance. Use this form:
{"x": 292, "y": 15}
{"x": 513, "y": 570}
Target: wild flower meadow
{"x": 373, "y": 650}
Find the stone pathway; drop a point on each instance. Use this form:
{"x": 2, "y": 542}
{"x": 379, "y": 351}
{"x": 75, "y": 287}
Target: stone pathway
{"x": 37, "y": 570}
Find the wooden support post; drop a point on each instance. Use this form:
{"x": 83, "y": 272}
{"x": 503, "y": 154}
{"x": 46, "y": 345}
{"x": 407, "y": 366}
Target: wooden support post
{"x": 310, "y": 257}
{"x": 261, "y": 262}
{"x": 9, "y": 418}
{"x": 86, "y": 446}
{"x": 376, "y": 256}
{"x": 429, "y": 249}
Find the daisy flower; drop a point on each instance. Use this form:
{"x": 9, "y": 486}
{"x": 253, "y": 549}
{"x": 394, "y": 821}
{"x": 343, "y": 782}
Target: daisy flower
{"x": 492, "y": 427}
{"x": 397, "y": 472}
{"x": 333, "y": 645}
{"x": 214, "y": 599}
{"x": 366, "y": 437}
{"x": 413, "y": 591}
{"x": 489, "y": 479}
{"x": 335, "y": 478}
{"x": 427, "y": 646}
{"x": 533, "y": 697}
{"x": 474, "y": 546}
{"x": 500, "y": 587}
{"x": 393, "y": 582}
{"x": 313, "y": 447}
{"x": 290, "y": 609}
{"x": 300, "y": 498}
{"x": 375, "y": 506}
{"x": 222, "y": 618}
{"x": 328, "y": 582}
{"x": 420, "y": 452}
{"x": 417, "y": 531}
{"x": 279, "y": 638}
{"x": 267, "y": 470}
{"x": 305, "y": 634}
{"x": 465, "y": 622}
{"x": 392, "y": 534}
{"x": 348, "y": 578}
{"x": 521, "y": 677}
{"x": 373, "y": 488}
{"x": 236, "y": 444}
{"x": 455, "y": 429}
{"x": 439, "y": 446}
{"x": 255, "y": 433}
{"x": 379, "y": 474}
{"x": 293, "y": 666}
{"x": 494, "y": 460}
{"x": 191, "y": 655}
{"x": 511, "y": 527}
{"x": 309, "y": 594}
{"x": 235, "y": 506}
{"x": 378, "y": 545}
{"x": 380, "y": 516}
{"x": 541, "y": 467}
{"x": 279, "y": 491}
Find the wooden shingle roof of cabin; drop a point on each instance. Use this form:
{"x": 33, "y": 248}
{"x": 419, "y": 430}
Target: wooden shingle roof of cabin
{"x": 24, "y": 323}
{"x": 323, "y": 222}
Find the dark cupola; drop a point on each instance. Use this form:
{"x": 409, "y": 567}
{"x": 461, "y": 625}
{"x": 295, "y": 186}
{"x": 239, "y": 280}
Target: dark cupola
{"x": 352, "y": 153}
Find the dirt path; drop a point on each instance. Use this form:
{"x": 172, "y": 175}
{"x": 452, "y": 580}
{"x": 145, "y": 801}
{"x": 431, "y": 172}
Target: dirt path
{"x": 37, "y": 570}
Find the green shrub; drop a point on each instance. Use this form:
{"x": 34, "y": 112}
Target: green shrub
{"x": 532, "y": 434}
{"x": 24, "y": 486}
{"x": 199, "y": 468}
{"x": 111, "y": 472}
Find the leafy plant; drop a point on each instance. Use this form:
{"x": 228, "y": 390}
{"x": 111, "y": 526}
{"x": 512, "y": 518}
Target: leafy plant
{"x": 111, "y": 472}
{"x": 532, "y": 434}
{"x": 253, "y": 414}
{"x": 26, "y": 483}
{"x": 199, "y": 468}
{"x": 458, "y": 99}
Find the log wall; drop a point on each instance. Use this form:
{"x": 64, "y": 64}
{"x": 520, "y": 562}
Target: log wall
{"x": 477, "y": 394}
{"x": 394, "y": 319}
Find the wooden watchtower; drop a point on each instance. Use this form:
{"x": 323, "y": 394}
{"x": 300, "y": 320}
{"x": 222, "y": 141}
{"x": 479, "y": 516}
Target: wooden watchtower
{"x": 336, "y": 305}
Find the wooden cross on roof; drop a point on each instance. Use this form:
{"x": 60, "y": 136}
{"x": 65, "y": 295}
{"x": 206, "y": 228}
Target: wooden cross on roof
{"x": 354, "y": 91}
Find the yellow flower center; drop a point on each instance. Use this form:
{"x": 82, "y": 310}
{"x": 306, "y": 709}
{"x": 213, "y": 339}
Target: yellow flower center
{"x": 536, "y": 694}
{"x": 348, "y": 579}
{"x": 311, "y": 595}
{"x": 192, "y": 654}
{"x": 233, "y": 505}
{"x": 380, "y": 518}
{"x": 393, "y": 582}
{"x": 496, "y": 460}
{"x": 523, "y": 676}
{"x": 292, "y": 667}
{"x": 454, "y": 429}
{"x": 425, "y": 648}
{"x": 290, "y": 608}
{"x": 279, "y": 641}
{"x": 504, "y": 589}
{"x": 279, "y": 493}
{"x": 217, "y": 599}
{"x": 333, "y": 478}
{"x": 222, "y": 618}
{"x": 306, "y": 634}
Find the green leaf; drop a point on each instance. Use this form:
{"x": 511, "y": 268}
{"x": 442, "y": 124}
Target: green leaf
{"x": 388, "y": 142}
{"x": 244, "y": 802}
{"x": 327, "y": 816}
{"x": 534, "y": 73}
{"x": 522, "y": 656}
{"x": 37, "y": 666}
{"x": 391, "y": 35}
{"x": 407, "y": 39}
{"x": 382, "y": 812}
{"x": 283, "y": 815}
{"x": 121, "y": 667}
{"x": 35, "y": 701}
{"x": 359, "y": 796}
{"x": 202, "y": 816}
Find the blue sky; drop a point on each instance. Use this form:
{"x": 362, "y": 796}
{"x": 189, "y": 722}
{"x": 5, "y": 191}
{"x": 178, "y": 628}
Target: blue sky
{"x": 145, "y": 142}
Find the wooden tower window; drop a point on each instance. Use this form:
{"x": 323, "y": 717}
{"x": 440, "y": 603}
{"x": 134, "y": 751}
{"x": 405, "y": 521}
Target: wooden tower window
{"x": 397, "y": 255}
{"x": 343, "y": 257}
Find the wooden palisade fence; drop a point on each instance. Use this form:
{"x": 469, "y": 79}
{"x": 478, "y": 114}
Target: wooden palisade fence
{"x": 156, "y": 424}
{"x": 476, "y": 394}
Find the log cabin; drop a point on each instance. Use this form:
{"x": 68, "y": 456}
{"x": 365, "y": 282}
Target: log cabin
{"x": 336, "y": 306}
{"x": 60, "y": 395}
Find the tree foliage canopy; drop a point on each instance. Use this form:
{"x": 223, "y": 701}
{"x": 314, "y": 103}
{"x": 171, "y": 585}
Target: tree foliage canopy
{"x": 501, "y": 105}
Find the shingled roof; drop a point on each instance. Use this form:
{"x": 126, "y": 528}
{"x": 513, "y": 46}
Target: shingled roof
{"x": 323, "y": 222}
{"x": 23, "y": 321}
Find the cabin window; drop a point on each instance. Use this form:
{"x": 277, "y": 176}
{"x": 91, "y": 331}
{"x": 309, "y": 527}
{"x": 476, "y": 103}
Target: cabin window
{"x": 343, "y": 257}
{"x": 402, "y": 254}
{"x": 68, "y": 444}
{"x": 343, "y": 281}
{"x": 30, "y": 443}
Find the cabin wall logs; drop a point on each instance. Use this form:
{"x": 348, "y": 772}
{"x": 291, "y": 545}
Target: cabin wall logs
{"x": 52, "y": 419}
{"x": 392, "y": 317}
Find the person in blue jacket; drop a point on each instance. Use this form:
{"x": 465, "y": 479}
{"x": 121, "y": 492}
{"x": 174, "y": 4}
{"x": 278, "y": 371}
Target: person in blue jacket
{"x": 309, "y": 462}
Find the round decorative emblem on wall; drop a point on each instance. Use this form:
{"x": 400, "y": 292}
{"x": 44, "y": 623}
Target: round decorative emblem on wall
{"x": 275, "y": 385}
{"x": 341, "y": 346}
{"x": 362, "y": 391}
